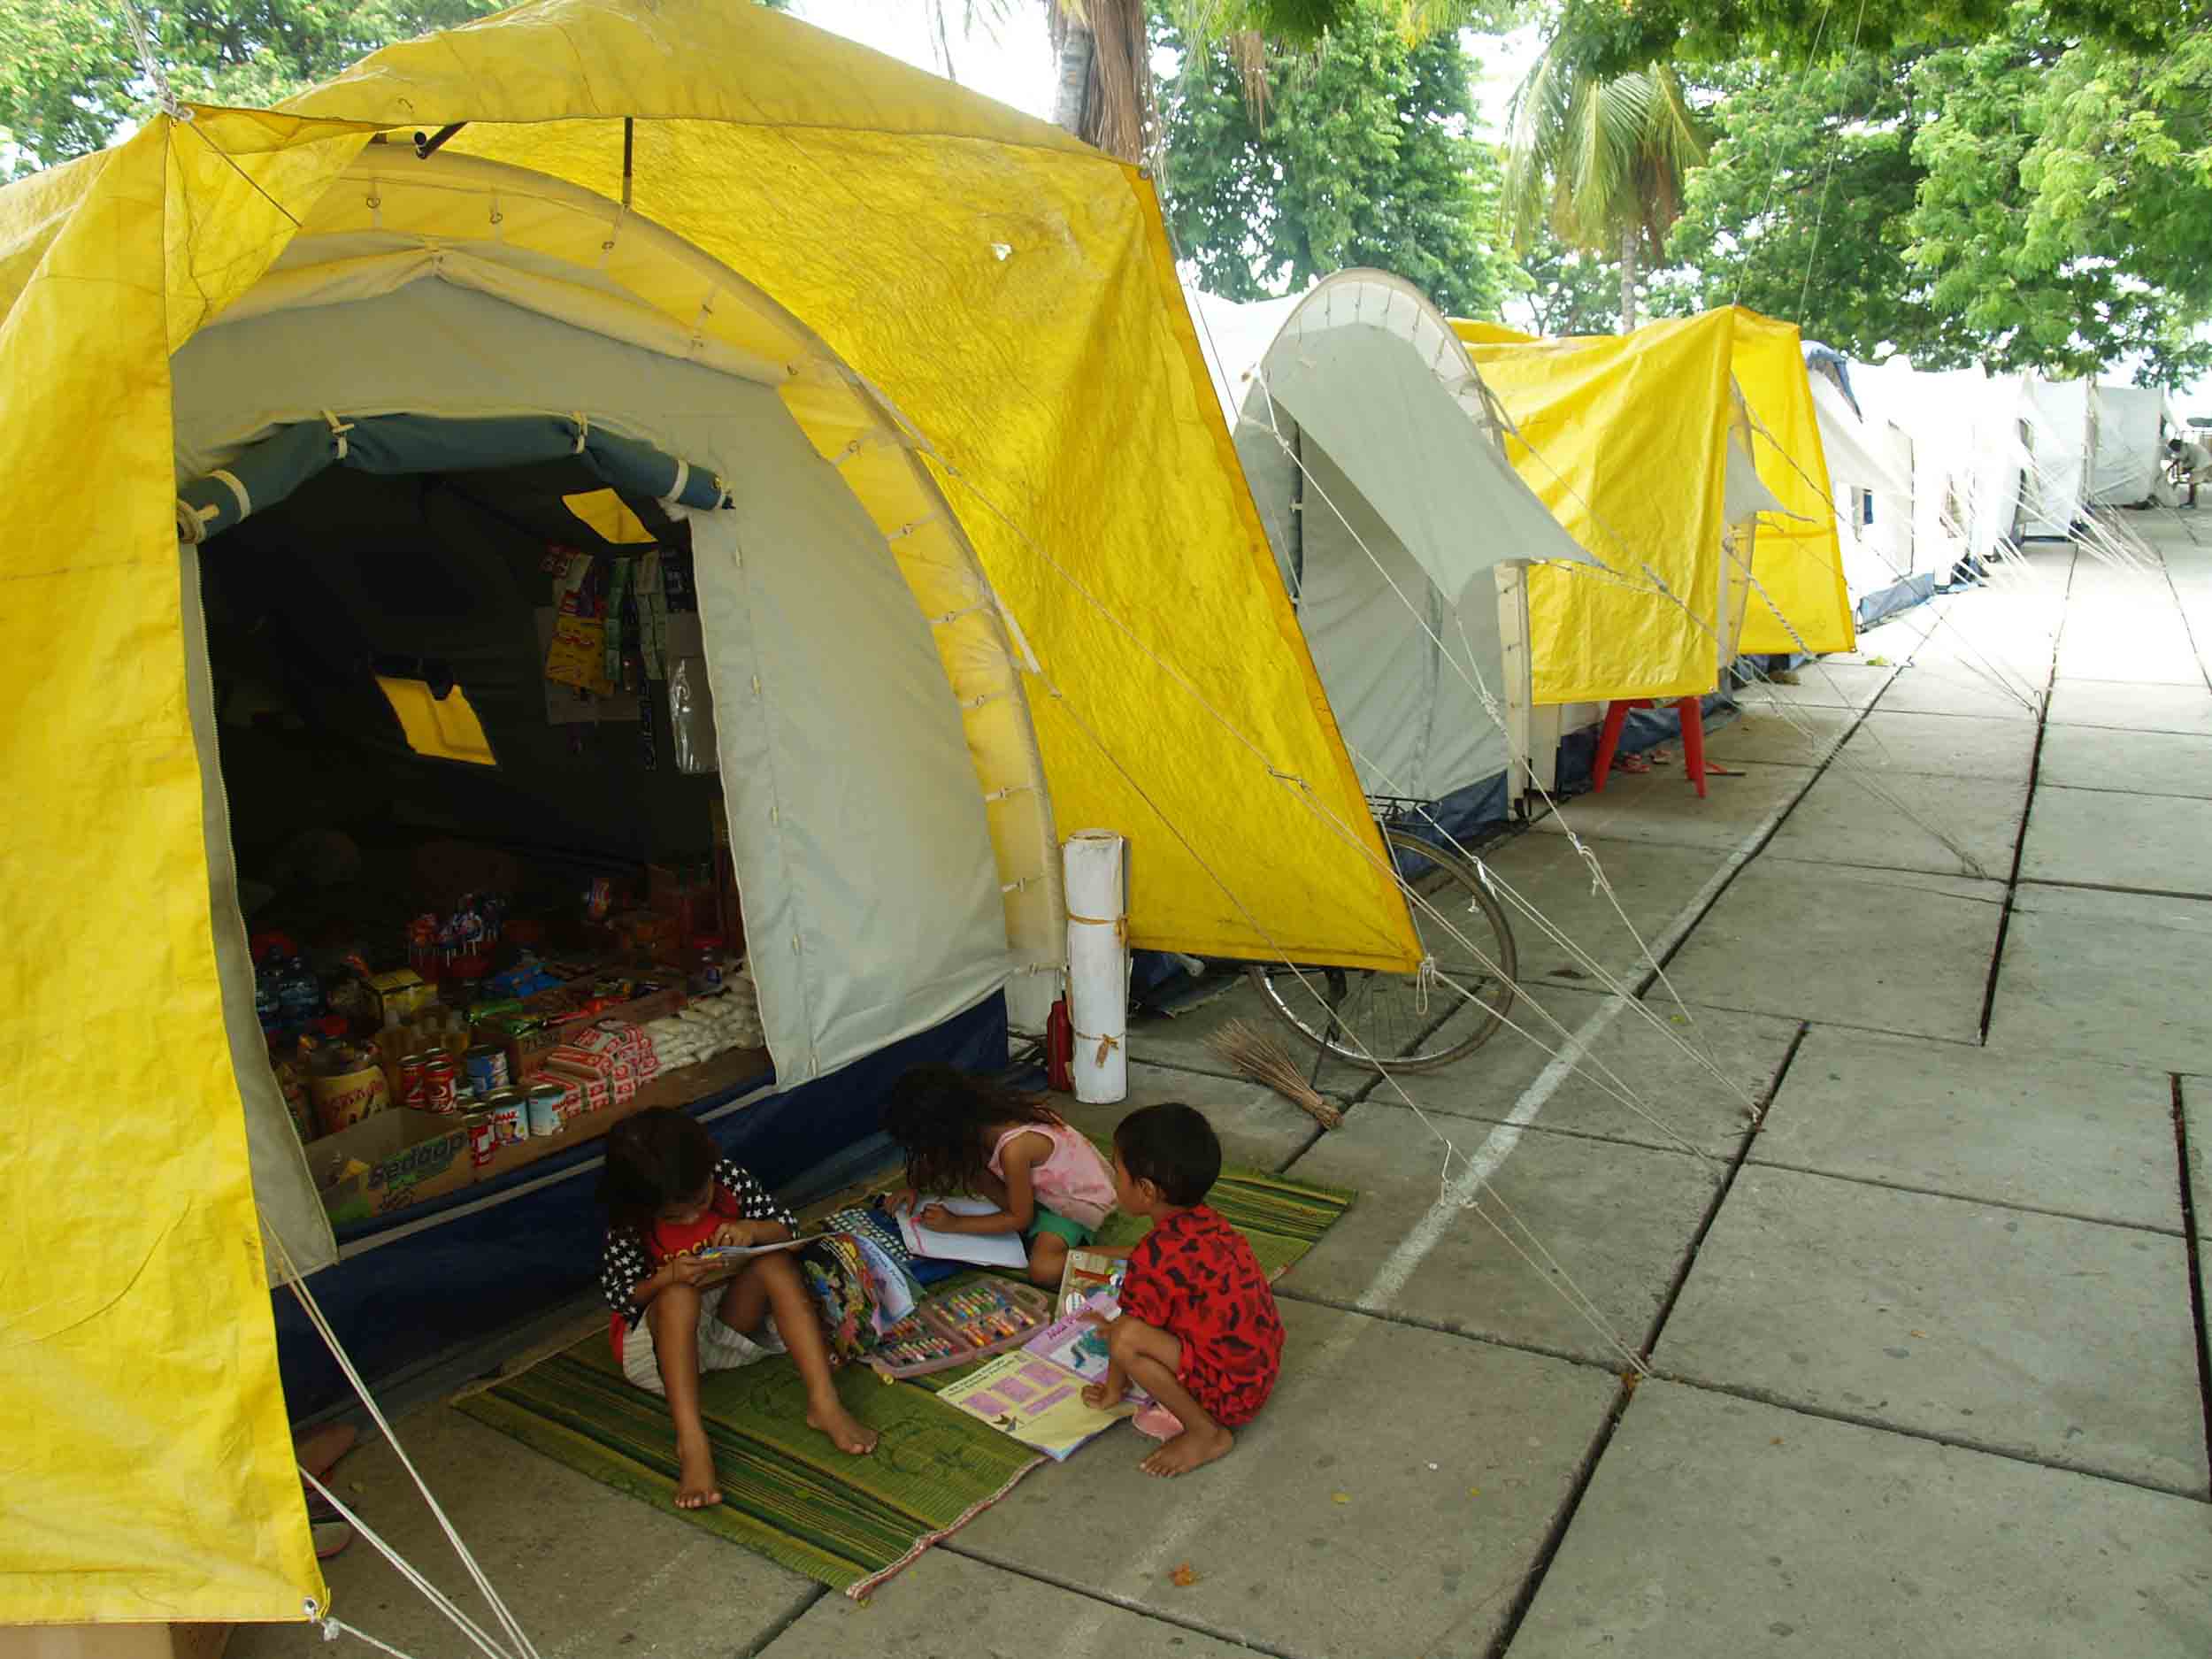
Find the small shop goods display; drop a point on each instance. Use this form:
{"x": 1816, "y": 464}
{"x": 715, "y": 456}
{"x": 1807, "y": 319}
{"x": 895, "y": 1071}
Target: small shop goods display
{"x": 465, "y": 1044}
{"x": 956, "y": 1326}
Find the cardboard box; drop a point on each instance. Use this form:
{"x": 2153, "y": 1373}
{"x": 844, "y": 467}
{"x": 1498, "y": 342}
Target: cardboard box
{"x": 402, "y": 991}
{"x": 525, "y": 1054}
{"x": 411, "y": 1156}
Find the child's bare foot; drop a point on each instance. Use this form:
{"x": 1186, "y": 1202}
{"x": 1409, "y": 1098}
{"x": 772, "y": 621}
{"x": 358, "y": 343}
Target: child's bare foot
{"x": 1099, "y": 1395}
{"x": 695, "y": 1487}
{"x": 847, "y": 1432}
{"x": 1190, "y": 1449}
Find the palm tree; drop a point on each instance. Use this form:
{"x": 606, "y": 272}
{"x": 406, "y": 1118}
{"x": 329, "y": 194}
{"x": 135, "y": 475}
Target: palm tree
{"x": 1599, "y": 158}
{"x": 1102, "y": 49}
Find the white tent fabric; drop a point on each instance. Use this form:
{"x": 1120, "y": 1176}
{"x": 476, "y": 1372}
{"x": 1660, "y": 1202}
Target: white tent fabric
{"x": 865, "y": 929}
{"x": 2061, "y": 441}
{"x": 1965, "y": 430}
{"x": 2125, "y": 462}
{"x": 1870, "y": 470}
{"x": 1405, "y": 506}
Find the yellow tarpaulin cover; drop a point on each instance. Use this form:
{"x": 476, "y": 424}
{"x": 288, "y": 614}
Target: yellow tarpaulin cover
{"x": 987, "y": 272}
{"x": 1798, "y": 559}
{"x": 1626, "y": 440}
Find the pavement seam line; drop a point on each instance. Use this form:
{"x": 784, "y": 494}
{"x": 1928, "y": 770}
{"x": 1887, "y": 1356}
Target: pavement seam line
{"x": 1417, "y": 1322}
{"x": 1783, "y": 1402}
{"x": 2195, "y": 1255}
{"x": 2027, "y": 810}
{"x": 1125, "y": 1605}
{"x": 1968, "y": 1198}
{"x": 1720, "y": 1196}
{"x": 768, "y": 1638}
{"x": 1556, "y": 1535}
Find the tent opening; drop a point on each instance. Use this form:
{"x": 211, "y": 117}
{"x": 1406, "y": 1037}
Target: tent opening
{"x": 471, "y": 764}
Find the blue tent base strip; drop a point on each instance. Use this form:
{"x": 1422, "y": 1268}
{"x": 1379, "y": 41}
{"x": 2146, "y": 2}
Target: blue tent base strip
{"x": 1885, "y": 602}
{"x": 499, "y": 1256}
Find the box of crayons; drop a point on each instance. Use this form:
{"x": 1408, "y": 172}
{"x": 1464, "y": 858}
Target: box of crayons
{"x": 968, "y": 1321}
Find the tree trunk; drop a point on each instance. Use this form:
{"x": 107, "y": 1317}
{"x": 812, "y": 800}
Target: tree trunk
{"x": 1629, "y": 240}
{"x": 1077, "y": 48}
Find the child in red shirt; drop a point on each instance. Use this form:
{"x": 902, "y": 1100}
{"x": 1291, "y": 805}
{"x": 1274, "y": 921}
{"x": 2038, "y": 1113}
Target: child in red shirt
{"x": 1198, "y": 1329}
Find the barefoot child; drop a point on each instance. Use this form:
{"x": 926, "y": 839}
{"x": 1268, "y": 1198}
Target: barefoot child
{"x": 963, "y": 1135}
{"x": 1198, "y": 1330}
{"x": 666, "y": 1197}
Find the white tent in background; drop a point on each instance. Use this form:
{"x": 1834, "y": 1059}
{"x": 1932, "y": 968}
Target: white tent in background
{"x": 1966, "y": 429}
{"x": 2126, "y": 460}
{"x": 1375, "y": 457}
{"x": 1871, "y": 474}
{"x": 2061, "y": 418}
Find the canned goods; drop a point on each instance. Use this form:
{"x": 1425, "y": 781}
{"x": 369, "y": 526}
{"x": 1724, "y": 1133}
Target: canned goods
{"x": 483, "y": 1140}
{"x": 440, "y": 1085}
{"x": 510, "y": 1115}
{"x": 411, "y": 1083}
{"x": 487, "y": 1067}
{"x": 549, "y": 1108}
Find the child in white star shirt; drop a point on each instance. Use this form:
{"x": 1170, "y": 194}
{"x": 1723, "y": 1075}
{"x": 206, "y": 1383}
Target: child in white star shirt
{"x": 666, "y": 1197}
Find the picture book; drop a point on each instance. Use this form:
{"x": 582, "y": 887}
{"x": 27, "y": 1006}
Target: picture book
{"x": 1038, "y": 1403}
{"x": 726, "y": 1261}
{"x": 1076, "y": 1343}
{"x": 985, "y": 1250}
{"x": 1088, "y": 1276}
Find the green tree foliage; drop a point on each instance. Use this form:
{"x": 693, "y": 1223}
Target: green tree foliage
{"x": 1560, "y": 291}
{"x": 1802, "y": 209}
{"x": 1362, "y": 155}
{"x": 2065, "y": 215}
{"x": 1599, "y": 158}
{"x": 1626, "y": 34}
{"x": 2022, "y": 202}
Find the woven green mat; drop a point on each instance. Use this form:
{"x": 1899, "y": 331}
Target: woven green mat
{"x": 846, "y": 1522}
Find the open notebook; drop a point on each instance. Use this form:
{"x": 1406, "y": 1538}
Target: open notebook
{"x": 985, "y": 1250}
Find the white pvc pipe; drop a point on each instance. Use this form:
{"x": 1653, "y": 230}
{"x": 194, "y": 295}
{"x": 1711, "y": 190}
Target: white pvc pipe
{"x": 1096, "y": 864}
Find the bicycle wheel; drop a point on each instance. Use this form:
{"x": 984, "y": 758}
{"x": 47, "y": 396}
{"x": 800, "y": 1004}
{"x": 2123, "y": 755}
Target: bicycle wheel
{"x": 1408, "y": 1022}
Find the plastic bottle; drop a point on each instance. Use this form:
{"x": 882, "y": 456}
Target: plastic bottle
{"x": 299, "y": 993}
{"x": 268, "y": 1000}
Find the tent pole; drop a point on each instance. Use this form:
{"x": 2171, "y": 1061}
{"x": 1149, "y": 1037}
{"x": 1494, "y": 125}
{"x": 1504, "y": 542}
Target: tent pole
{"x": 629, "y": 153}
{"x": 426, "y": 148}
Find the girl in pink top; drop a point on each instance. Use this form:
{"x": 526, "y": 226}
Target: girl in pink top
{"x": 967, "y": 1134}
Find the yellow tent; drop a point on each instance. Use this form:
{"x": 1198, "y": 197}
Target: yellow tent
{"x": 1628, "y": 440}
{"x": 1801, "y": 601}
{"x": 932, "y": 285}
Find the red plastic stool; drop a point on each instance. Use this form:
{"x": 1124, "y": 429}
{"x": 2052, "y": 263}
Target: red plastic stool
{"x": 1693, "y": 715}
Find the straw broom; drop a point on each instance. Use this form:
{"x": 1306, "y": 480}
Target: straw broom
{"x": 1262, "y": 1059}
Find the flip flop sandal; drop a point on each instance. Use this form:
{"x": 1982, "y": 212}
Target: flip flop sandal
{"x": 331, "y": 1539}
{"x": 319, "y": 1509}
{"x": 1630, "y": 763}
{"x": 319, "y": 1451}
{"x": 1714, "y": 769}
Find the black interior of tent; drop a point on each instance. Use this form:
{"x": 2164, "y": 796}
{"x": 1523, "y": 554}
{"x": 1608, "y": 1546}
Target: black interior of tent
{"x": 437, "y": 577}
{"x": 343, "y": 832}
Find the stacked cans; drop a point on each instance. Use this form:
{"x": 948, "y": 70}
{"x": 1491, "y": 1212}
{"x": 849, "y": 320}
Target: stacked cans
{"x": 487, "y": 1068}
